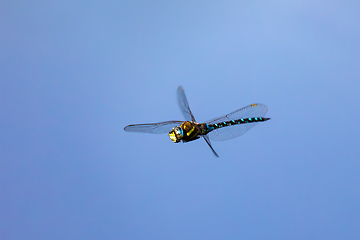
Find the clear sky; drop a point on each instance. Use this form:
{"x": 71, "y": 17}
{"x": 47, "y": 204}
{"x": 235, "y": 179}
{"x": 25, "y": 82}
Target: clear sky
{"x": 73, "y": 74}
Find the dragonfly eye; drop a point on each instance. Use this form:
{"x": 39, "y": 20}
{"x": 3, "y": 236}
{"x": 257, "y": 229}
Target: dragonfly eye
{"x": 176, "y": 134}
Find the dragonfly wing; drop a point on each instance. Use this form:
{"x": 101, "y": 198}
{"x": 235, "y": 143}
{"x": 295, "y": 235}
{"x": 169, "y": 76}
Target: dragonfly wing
{"x": 184, "y": 105}
{"x": 161, "y": 127}
{"x": 229, "y": 132}
{"x": 207, "y": 140}
{"x": 225, "y": 133}
{"x": 253, "y": 110}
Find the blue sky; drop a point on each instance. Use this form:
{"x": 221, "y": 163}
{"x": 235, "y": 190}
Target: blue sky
{"x": 75, "y": 73}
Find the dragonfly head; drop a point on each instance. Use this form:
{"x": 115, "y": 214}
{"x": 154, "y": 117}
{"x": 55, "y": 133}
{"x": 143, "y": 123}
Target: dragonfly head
{"x": 176, "y": 134}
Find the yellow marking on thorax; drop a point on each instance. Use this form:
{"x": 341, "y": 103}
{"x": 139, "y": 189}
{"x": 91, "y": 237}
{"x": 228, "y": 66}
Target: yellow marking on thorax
{"x": 253, "y": 105}
{"x": 191, "y": 130}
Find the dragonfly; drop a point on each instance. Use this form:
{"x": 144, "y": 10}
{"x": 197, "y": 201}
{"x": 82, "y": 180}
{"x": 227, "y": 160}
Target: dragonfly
{"x": 221, "y": 128}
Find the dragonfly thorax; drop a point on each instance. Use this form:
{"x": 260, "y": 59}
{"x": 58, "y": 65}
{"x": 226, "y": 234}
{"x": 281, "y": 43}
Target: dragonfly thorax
{"x": 186, "y": 132}
{"x": 176, "y": 134}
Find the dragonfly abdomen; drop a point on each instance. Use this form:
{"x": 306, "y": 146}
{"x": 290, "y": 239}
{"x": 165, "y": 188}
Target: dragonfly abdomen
{"x": 235, "y": 122}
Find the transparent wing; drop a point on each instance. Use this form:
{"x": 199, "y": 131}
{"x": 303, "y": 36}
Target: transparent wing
{"x": 253, "y": 110}
{"x": 225, "y": 133}
{"x": 207, "y": 140}
{"x": 161, "y": 127}
{"x": 184, "y": 105}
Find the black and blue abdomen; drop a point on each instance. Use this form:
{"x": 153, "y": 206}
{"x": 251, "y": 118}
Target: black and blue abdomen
{"x": 232, "y": 128}
{"x": 235, "y": 122}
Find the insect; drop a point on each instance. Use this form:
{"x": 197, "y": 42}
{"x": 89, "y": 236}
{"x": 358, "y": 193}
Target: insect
{"x": 225, "y": 127}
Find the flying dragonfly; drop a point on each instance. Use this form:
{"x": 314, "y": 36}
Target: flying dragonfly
{"x": 222, "y": 128}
